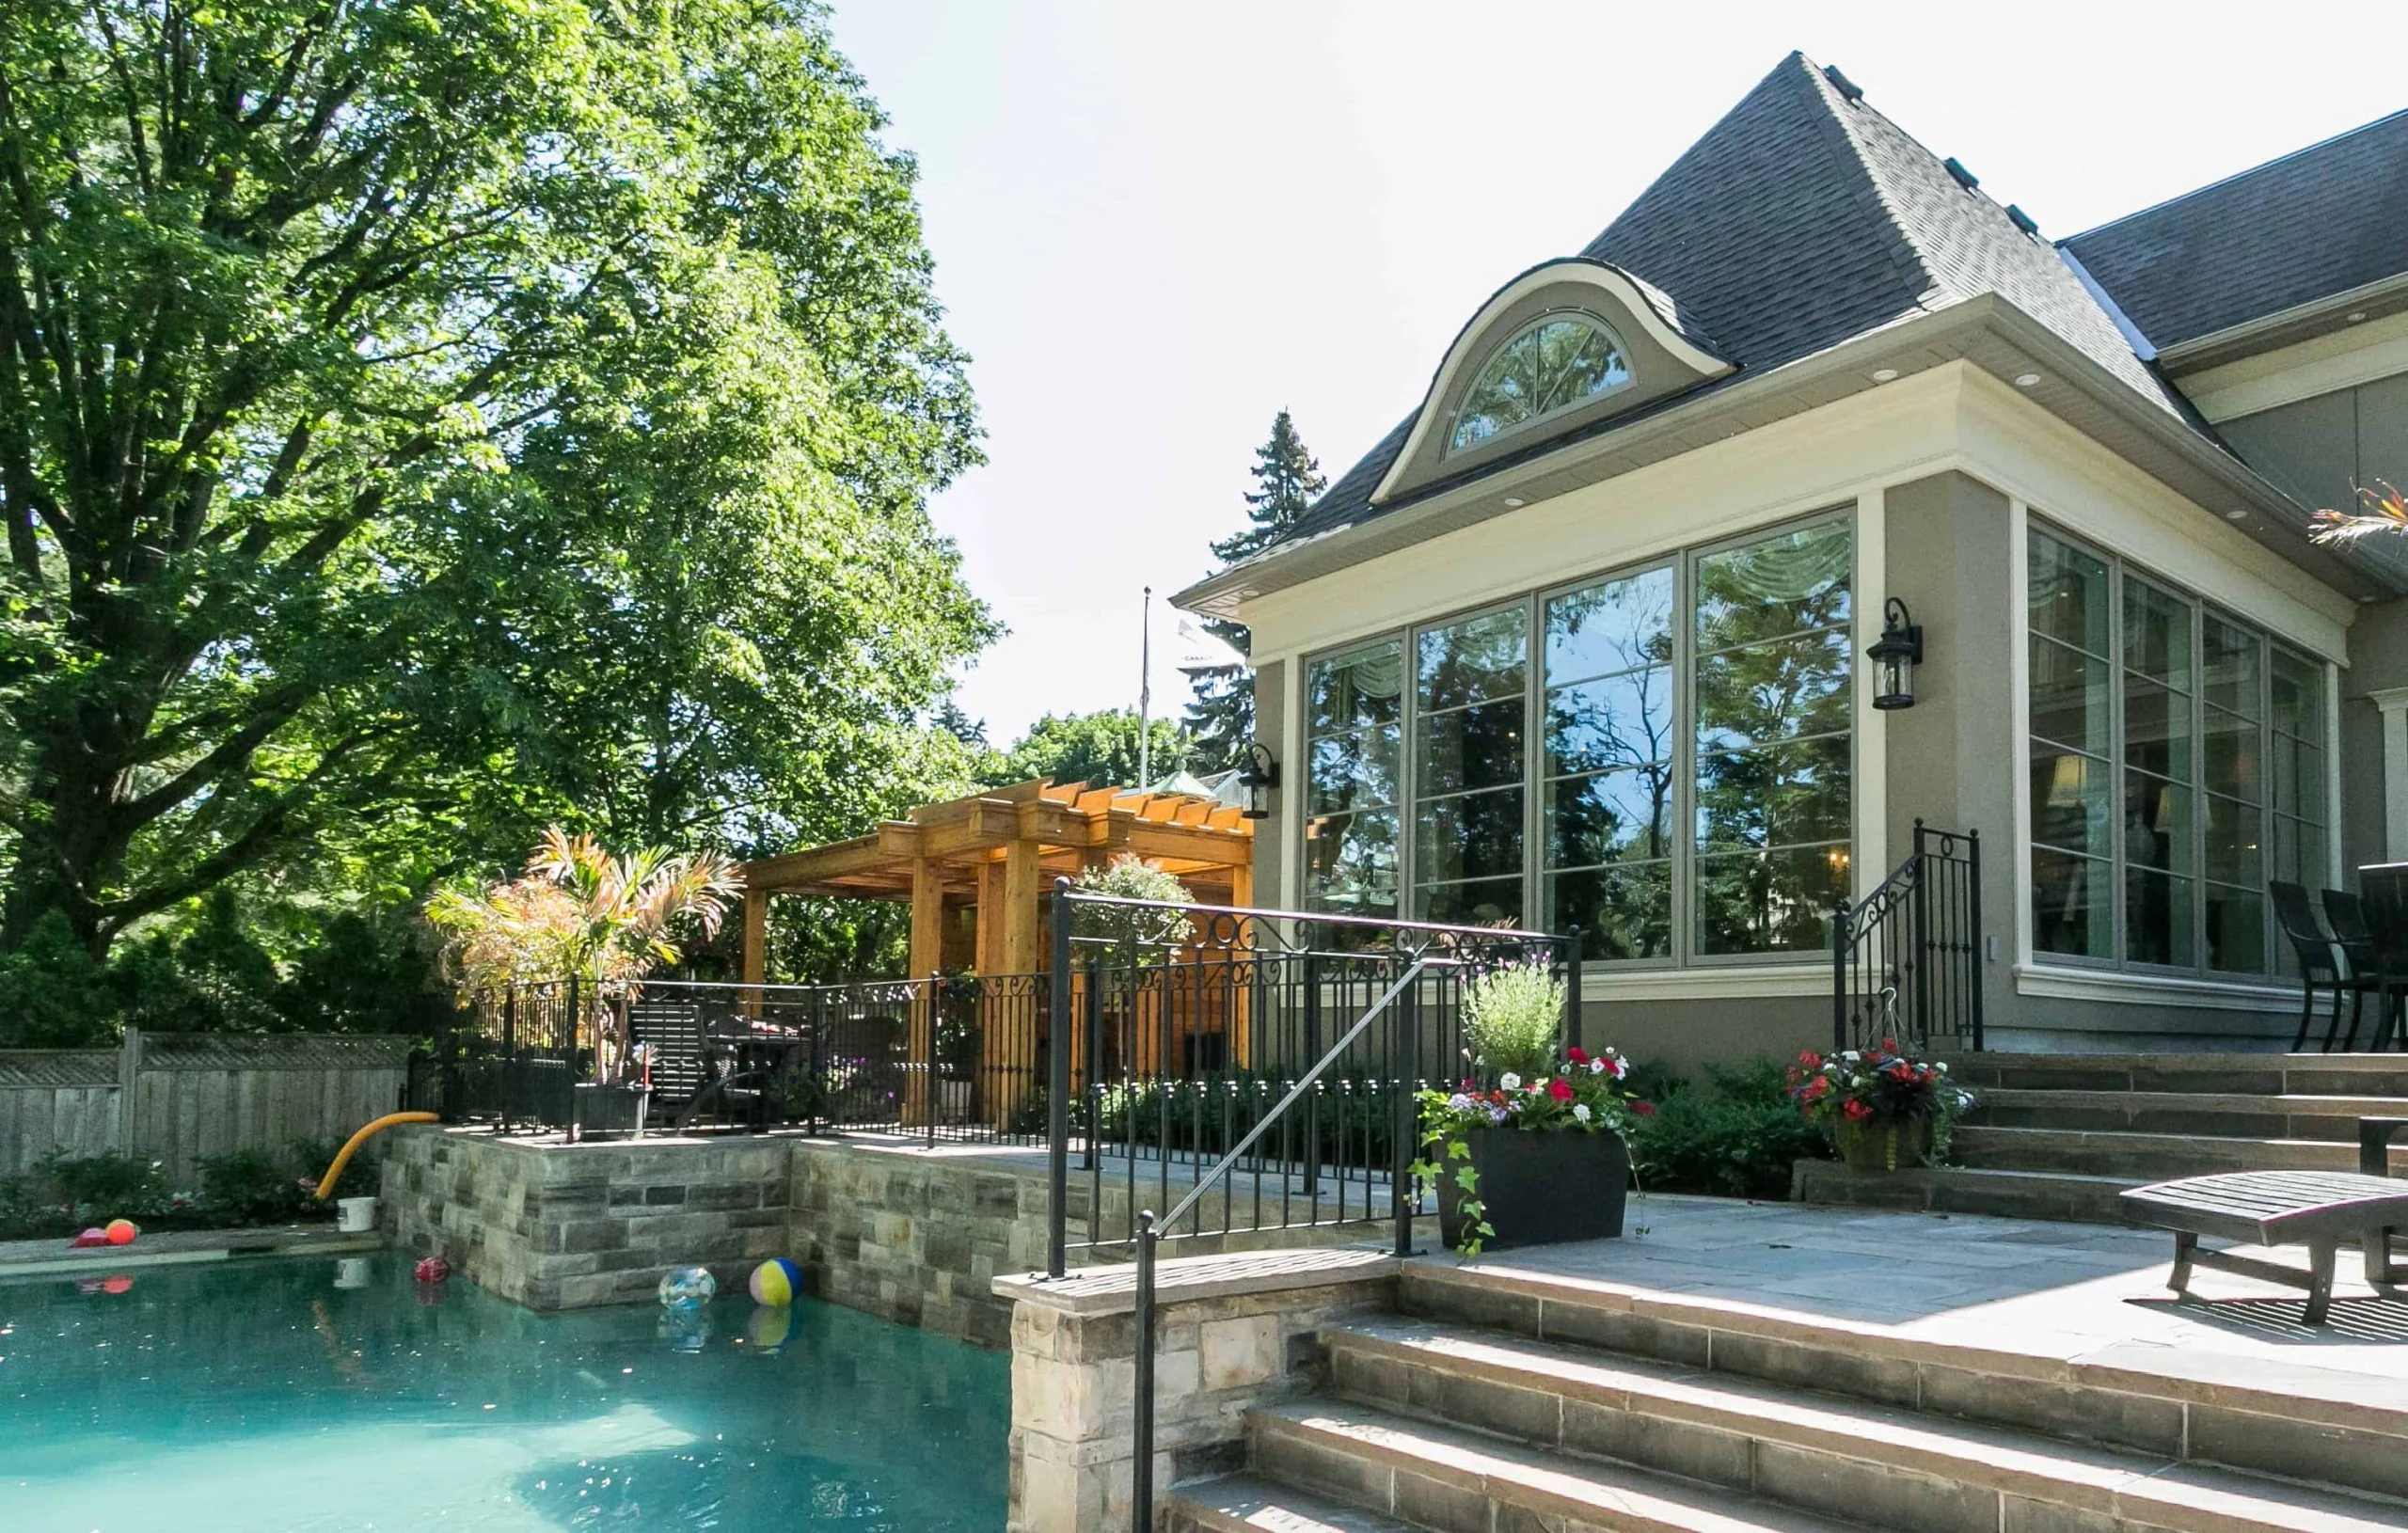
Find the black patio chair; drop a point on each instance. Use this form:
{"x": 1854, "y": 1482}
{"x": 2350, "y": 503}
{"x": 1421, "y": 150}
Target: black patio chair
{"x": 2373, "y": 968}
{"x": 2319, "y": 960}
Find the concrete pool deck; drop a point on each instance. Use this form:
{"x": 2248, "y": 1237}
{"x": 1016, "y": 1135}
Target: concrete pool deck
{"x": 22, "y": 1260}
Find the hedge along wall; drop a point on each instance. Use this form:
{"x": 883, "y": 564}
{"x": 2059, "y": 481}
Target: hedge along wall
{"x": 178, "y": 1096}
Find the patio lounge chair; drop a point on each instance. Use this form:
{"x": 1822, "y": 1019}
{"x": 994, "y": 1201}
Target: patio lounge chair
{"x": 2320, "y": 959}
{"x": 2373, "y": 968}
{"x": 2320, "y": 1210}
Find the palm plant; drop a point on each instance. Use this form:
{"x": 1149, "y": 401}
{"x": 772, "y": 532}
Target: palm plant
{"x": 579, "y": 913}
{"x": 2386, "y": 511}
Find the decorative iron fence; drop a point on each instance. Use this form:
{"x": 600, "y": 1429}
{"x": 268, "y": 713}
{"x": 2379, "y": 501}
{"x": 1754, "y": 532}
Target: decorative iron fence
{"x": 1907, "y": 961}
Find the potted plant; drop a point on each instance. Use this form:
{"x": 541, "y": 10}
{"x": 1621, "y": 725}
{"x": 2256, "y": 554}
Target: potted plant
{"x": 1882, "y": 1108}
{"x": 1530, "y": 1148}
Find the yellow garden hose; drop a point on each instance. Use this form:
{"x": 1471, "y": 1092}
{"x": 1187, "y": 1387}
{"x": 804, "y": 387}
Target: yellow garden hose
{"x": 342, "y": 1158}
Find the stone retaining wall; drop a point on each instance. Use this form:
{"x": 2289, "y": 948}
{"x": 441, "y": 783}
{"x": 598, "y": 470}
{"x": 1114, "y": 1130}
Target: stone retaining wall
{"x": 1232, "y": 1332}
{"x": 562, "y": 1227}
{"x": 916, "y": 1238}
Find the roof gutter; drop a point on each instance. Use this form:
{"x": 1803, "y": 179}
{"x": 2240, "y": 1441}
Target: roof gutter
{"x": 2381, "y": 291}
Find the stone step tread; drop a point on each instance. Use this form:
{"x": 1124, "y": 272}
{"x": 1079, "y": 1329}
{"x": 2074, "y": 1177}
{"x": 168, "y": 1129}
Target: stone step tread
{"x": 1589, "y": 1492}
{"x": 2283, "y": 1105}
{"x": 2355, "y": 1063}
{"x": 2025, "y": 1464}
{"x": 1250, "y": 1504}
{"x": 1976, "y": 1143}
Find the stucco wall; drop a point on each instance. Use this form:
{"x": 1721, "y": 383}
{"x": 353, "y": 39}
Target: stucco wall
{"x": 2378, "y": 660}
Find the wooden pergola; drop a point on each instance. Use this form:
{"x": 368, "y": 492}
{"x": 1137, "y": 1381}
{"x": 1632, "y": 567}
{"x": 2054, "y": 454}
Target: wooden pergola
{"x": 975, "y": 870}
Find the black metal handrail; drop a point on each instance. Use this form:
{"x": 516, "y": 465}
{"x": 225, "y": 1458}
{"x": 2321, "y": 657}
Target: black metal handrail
{"x": 1906, "y": 959}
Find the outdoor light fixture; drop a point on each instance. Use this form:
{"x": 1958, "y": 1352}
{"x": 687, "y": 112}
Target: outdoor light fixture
{"x": 1895, "y": 653}
{"x": 1259, "y": 775}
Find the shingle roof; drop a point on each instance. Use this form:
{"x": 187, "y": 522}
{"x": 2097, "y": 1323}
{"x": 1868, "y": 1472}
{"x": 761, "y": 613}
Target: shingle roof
{"x": 1803, "y": 220}
{"x": 2329, "y": 218}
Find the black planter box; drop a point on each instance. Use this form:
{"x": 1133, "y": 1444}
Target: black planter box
{"x": 609, "y": 1112}
{"x": 1542, "y": 1187}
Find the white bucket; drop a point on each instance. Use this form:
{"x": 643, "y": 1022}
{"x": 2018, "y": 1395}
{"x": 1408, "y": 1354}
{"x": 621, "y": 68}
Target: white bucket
{"x": 356, "y": 1215}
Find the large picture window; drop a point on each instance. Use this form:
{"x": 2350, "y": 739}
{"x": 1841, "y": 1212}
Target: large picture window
{"x": 1660, "y": 759}
{"x": 2154, "y": 721}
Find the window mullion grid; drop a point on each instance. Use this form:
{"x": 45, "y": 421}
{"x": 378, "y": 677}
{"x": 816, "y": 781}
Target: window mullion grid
{"x": 1535, "y": 776}
{"x": 2265, "y": 774}
{"x": 1683, "y": 848}
{"x": 2119, "y": 939}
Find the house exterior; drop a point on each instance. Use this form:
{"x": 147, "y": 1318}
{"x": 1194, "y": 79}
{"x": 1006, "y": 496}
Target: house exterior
{"x": 1581, "y": 644}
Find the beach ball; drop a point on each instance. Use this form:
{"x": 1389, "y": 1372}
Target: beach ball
{"x": 687, "y": 1287}
{"x": 120, "y": 1231}
{"x": 776, "y": 1282}
{"x": 430, "y": 1269}
{"x": 769, "y": 1329}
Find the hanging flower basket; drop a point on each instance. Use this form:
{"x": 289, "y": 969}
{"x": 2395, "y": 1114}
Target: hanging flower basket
{"x": 1883, "y": 1108}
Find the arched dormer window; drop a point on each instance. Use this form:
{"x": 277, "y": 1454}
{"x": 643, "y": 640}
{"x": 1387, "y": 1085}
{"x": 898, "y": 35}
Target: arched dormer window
{"x": 1561, "y": 361}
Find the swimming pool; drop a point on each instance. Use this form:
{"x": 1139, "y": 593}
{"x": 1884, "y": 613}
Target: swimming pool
{"x": 307, "y": 1394}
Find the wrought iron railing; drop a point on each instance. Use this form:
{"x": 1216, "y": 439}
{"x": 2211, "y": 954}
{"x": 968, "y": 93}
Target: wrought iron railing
{"x": 1327, "y": 1028}
{"x": 1906, "y": 959}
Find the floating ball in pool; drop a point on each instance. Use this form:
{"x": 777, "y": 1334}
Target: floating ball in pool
{"x": 430, "y": 1269}
{"x": 775, "y": 1282}
{"x": 120, "y": 1231}
{"x": 687, "y": 1287}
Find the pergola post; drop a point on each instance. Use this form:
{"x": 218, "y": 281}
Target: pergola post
{"x": 757, "y": 945}
{"x": 1010, "y": 1046}
{"x": 928, "y": 956}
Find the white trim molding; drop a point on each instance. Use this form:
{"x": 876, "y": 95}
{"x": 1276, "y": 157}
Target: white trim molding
{"x": 2065, "y": 983}
{"x": 2392, "y": 703}
{"x": 1613, "y": 982}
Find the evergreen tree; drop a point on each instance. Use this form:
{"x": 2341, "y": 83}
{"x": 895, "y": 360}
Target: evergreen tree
{"x": 1286, "y": 479}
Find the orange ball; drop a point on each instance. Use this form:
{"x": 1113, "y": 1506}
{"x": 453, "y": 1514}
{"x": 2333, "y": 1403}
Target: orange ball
{"x": 120, "y": 1231}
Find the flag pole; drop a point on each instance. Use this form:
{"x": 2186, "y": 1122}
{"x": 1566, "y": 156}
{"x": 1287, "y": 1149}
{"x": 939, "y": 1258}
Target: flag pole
{"x": 1145, "y": 688}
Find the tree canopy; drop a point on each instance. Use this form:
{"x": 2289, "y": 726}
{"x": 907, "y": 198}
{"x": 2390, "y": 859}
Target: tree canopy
{"x": 1099, "y": 748}
{"x": 421, "y": 424}
{"x": 1286, "y": 479}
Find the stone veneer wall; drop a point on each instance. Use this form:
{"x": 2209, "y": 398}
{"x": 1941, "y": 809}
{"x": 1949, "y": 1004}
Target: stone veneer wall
{"x": 1231, "y": 1332}
{"x": 562, "y": 1227}
{"x": 916, "y": 1238}
{"x": 910, "y": 1237}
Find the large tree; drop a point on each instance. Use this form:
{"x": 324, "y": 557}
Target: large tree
{"x": 1098, "y": 748}
{"x": 1286, "y": 479}
{"x": 452, "y": 417}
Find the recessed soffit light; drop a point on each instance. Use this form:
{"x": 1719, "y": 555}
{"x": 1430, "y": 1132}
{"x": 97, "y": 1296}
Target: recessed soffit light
{"x": 2236, "y": 515}
{"x": 2025, "y": 380}
{"x": 2356, "y": 317}
{"x": 1884, "y": 374}
{"x": 1514, "y": 501}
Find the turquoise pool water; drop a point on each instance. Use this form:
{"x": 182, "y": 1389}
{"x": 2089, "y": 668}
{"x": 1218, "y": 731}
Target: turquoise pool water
{"x": 269, "y": 1394}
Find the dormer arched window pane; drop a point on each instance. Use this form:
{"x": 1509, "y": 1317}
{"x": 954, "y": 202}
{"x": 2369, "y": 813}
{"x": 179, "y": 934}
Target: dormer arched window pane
{"x": 1561, "y": 361}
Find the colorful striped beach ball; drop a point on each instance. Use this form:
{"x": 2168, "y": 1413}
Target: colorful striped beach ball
{"x": 776, "y": 1282}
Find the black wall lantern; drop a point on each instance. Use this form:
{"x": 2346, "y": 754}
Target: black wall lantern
{"x": 1259, "y": 775}
{"x": 1894, "y": 656}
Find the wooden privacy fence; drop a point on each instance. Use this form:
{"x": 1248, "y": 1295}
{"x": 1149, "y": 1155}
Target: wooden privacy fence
{"x": 178, "y": 1096}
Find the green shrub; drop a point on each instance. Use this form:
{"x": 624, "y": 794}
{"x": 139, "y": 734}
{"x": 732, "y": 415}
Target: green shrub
{"x": 1736, "y": 1134}
{"x": 254, "y": 1187}
{"x": 97, "y": 1187}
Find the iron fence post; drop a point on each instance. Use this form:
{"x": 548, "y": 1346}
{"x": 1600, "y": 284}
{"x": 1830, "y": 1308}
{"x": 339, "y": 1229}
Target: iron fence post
{"x": 933, "y": 1090}
{"x": 1405, "y": 1122}
{"x": 1572, "y": 989}
{"x": 1919, "y": 943}
{"x": 1057, "y": 1096}
{"x": 1141, "y": 1466}
{"x": 1977, "y": 959}
{"x": 1841, "y": 939}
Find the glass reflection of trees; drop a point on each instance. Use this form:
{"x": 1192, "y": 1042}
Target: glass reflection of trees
{"x": 1354, "y": 721}
{"x": 1470, "y": 703}
{"x": 1609, "y": 746}
{"x": 1774, "y": 703}
{"x": 1555, "y": 364}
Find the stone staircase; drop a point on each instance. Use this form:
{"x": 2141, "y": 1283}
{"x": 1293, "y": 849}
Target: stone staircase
{"x": 2057, "y": 1136}
{"x": 1542, "y": 1405}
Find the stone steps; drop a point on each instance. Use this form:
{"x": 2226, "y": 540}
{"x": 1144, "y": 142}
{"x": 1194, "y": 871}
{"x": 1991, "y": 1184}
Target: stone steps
{"x": 2232, "y": 1113}
{"x": 2256, "y": 1074}
{"x": 2330, "y": 1428}
{"x": 1249, "y": 1504}
{"x": 2149, "y": 1157}
{"x": 1436, "y": 1477}
{"x": 1786, "y": 1451}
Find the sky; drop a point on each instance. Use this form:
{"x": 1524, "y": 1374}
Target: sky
{"x": 1155, "y": 225}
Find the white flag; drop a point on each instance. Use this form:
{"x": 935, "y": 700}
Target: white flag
{"x": 1200, "y": 650}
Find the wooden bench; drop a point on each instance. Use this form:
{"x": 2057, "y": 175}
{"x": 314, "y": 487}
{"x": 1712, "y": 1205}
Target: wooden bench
{"x": 2374, "y": 1144}
{"x": 2320, "y": 1210}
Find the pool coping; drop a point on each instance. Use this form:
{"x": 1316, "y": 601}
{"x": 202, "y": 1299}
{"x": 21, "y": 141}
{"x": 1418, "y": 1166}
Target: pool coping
{"x": 23, "y": 1261}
